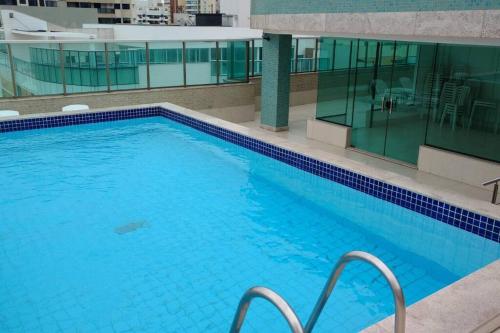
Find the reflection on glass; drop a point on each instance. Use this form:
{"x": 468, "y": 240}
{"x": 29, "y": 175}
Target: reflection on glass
{"x": 37, "y": 69}
{"x": 6, "y": 85}
{"x": 465, "y": 113}
{"x": 165, "y": 64}
{"x": 201, "y": 63}
{"x": 233, "y": 61}
{"x": 306, "y": 54}
{"x": 127, "y": 65}
{"x": 397, "y": 96}
{"x": 257, "y": 57}
{"x": 84, "y": 67}
{"x": 325, "y": 54}
{"x": 334, "y": 85}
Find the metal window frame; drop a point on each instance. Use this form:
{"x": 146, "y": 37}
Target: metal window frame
{"x": 106, "y": 62}
{"x": 61, "y": 64}
{"x": 217, "y": 61}
{"x": 184, "y": 63}
{"x": 148, "y": 73}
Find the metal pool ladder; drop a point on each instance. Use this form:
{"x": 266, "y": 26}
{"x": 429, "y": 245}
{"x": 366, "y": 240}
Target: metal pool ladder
{"x": 495, "y": 189}
{"x": 291, "y": 317}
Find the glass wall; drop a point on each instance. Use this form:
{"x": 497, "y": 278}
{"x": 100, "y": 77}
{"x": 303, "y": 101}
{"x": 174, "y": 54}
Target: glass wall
{"x": 201, "y": 63}
{"x": 397, "y": 96}
{"x": 233, "y": 61}
{"x": 257, "y": 57}
{"x": 165, "y": 64}
{"x": 127, "y": 66}
{"x": 306, "y": 54}
{"x": 84, "y": 67}
{"x": 6, "y": 84}
{"x": 466, "y": 115}
{"x": 37, "y": 69}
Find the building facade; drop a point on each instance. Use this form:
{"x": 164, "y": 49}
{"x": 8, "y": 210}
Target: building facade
{"x": 151, "y": 12}
{"x": 29, "y": 3}
{"x": 411, "y": 81}
{"x": 108, "y": 11}
{"x": 209, "y": 6}
{"x": 191, "y": 7}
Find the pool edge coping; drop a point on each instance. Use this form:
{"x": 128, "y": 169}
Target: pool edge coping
{"x": 471, "y": 304}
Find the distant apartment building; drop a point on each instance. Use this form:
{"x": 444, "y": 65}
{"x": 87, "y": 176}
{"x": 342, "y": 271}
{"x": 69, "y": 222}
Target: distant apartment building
{"x": 209, "y": 6}
{"x": 108, "y": 11}
{"x": 30, "y": 3}
{"x": 191, "y": 7}
{"x": 236, "y": 13}
{"x": 155, "y": 12}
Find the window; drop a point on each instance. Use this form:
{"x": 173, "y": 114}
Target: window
{"x": 85, "y": 5}
{"x": 105, "y": 20}
{"x": 117, "y": 6}
{"x": 73, "y": 4}
{"x": 125, "y": 6}
{"x": 126, "y": 20}
{"x": 33, "y": 3}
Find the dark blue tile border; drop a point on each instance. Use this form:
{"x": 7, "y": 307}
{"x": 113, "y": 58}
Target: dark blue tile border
{"x": 480, "y": 225}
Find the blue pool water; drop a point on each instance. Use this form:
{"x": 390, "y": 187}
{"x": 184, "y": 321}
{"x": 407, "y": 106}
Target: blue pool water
{"x": 147, "y": 225}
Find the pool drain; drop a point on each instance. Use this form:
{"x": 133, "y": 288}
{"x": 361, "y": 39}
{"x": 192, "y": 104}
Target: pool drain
{"x": 130, "y": 227}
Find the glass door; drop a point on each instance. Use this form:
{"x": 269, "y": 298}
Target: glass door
{"x": 372, "y": 91}
{"x": 409, "y": 103}
{"x": 390, "y": 110}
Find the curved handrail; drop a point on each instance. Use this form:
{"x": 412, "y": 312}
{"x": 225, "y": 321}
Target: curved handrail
{"x": 273, "y": 298}
{"x": 399, "y": 300}
{"x": 493, "y": 181}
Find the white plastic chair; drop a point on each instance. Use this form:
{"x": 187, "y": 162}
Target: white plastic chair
{"x": 75, "y": 107}
{"x": 8, "y": 113}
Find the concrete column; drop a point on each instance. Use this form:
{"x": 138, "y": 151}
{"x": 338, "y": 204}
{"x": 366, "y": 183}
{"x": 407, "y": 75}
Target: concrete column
{"x": 275, "y": 82}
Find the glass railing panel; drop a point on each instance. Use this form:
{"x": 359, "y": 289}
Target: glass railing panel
{"x": 335, "y": 87}
{"x": 84, "y": 67}
{"x": 293, "y": 56}
{"x": 306, "y": 54}
{"x": 465, "y": 103}
{"x": 6, "y": 84}
{"x": 233, "y": 61}
{"x": 326, "y": 49}
{"x": 257, "y": 56}
{"x": 127, "y": 66}
{"x": 201, "y": 63}
{"x": 37, "y": 69}
{"x": 165, "y": 64}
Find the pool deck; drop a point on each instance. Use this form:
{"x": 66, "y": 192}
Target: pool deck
{"x": 472, "y": 304}
{"x": 456, "y": 193}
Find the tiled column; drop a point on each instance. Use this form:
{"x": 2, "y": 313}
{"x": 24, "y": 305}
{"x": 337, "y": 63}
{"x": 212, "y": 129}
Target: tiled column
{"x": 275, "y": 82}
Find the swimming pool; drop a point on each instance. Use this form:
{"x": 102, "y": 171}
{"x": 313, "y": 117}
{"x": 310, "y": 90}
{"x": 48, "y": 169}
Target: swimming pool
{"x": 149, "y": 225}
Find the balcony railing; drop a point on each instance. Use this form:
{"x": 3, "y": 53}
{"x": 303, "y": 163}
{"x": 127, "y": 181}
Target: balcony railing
{"x": 38, "y": 68}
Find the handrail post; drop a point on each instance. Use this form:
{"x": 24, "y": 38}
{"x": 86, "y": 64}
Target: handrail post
{"x": 148, "y": 73}
{"x": 247, "y": 61}
{"x": 495, "y": 189}
{"x": 495, "y": 194}
{"x": 12, "y": 71}
{"x": 184, "y": 63}
{"x": 253, "y": 57}
{"x": 217, "y": 61}
{"x": 316, "y": 58}
{"x": 399, "y": 300}
{"x": 106, "y": 62}
{"x": 275, "y": 299}
{"x": 61, "y": 64}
